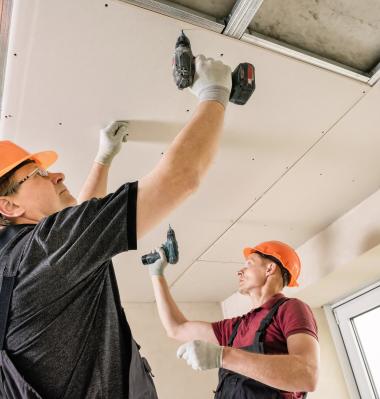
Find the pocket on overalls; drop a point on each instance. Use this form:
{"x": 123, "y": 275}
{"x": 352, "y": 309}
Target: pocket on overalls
{"x": 227, "y": 387}
{"x": 13, "y": 384}
{"x": 141, "y": 385}
{"x": 256, "y": 390}
{"x": 150, "y": 376}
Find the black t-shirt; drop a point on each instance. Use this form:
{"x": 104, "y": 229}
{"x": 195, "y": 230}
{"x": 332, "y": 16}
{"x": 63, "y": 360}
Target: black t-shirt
{"x": 66, "y": 331}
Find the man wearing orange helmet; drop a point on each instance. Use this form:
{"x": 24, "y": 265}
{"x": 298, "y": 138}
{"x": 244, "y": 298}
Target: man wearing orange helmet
{"x": 272, "y": 352}
{"x": 63, "y": 332}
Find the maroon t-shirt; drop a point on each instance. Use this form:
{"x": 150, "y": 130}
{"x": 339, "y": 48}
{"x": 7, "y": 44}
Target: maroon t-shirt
{"x": 292, "y": 317}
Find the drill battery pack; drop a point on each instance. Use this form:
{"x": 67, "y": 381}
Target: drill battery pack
{"x": 243, "y": 83}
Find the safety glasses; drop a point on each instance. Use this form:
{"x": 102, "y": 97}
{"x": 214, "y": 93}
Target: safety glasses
{"x": 38, "y": 171}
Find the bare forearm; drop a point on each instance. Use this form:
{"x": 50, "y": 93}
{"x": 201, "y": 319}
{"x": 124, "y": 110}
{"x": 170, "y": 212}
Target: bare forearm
{"x": 285, "y": 372}
{"x": 178, "y": 173}
{"x": 170, "y": 315}
{"x": 95, "y": 185}
{"x": 196, "y": 144}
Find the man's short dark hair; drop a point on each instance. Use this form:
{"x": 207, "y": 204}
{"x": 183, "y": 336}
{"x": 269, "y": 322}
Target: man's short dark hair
{"x": 6, "y": 184}
{"x": 284, "y": 272}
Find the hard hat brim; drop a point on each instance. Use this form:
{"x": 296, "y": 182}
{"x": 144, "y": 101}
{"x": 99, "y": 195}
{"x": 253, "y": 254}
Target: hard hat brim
{"x": 43, "y": 159}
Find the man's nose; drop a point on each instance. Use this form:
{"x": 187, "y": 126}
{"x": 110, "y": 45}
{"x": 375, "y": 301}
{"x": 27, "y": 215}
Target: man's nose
{"x": 57, "y": 177}
{"x": 241, "y": 271}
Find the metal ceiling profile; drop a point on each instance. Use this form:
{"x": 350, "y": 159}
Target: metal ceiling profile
{"x": 236, "y": 25}
{"x": 180, "y": 12}
{"x": 240, "y": 17}
{"x": 375, "y": 75}
{"x": 310, "y": 58}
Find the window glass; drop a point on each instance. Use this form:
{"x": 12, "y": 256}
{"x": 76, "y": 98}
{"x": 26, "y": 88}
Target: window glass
{"x": 367, "y": 328}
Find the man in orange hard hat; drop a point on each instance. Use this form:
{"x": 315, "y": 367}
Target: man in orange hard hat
{"x": 270, "y": 352}
{"x": 63, "y": 332}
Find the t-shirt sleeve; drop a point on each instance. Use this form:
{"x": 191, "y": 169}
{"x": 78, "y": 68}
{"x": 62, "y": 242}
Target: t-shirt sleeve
{"x": 295, "y": 317}
{"x": 82, "y": 237}
{"x": 223, "y": 330}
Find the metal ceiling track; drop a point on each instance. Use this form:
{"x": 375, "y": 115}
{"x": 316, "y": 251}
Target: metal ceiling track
{"x": 375, "y": 75}
{"x": 240, "y": 17}
{"x": 236, "y": 26}
{"x": 305, "y": 56}
{"x": 5, "y": 21}
{"x": 177, "y": 11}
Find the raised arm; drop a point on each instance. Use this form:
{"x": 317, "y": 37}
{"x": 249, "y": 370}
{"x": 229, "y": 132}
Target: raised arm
{"x": 179, "y": 172}
{"x": 95, "y": 185}
{"x": 175, "y": 323}
{"x": 110, "y": 142}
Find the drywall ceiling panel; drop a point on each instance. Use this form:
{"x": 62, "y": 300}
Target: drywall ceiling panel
{"x": 341, "y": 171}
{"x": 216, "y": 8}
{"x": 5, "y": 16}
{"x": 208, "y": 281}
{"x": 78, "y": 64}
{"x": 344, "y": 31}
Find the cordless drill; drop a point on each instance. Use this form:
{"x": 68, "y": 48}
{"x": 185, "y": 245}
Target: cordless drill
{"x": 243, "y": 77}
{"x": 170, "y": 247}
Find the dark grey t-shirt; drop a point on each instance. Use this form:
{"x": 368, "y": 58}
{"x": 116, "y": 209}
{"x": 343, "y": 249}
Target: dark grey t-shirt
{"x": 66, "y": 333}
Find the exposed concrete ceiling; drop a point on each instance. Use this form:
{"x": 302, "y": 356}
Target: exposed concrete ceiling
{"x": 296, "y": 157}
{"x": 344, "y": 31}
{"x": 216, "y": 8}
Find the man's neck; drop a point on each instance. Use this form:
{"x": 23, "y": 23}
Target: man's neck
{"x": 261, "y": 295}
{"x": 24, "y": 220}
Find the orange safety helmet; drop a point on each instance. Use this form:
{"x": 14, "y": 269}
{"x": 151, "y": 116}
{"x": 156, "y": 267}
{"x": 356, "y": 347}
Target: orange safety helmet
{"x": 12, "y": 155}
{"x": 282, "y": 252}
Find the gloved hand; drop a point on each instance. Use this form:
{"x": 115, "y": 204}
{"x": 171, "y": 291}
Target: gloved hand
{"x": 201, "y": 355}
{"x": 212, "y": 80}
{"x": 157, "y": 268}
{"x": 111, "y": 138}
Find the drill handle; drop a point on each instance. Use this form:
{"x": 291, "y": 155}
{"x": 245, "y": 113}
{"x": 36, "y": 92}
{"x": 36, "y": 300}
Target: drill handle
{"x": 148, "y": 259}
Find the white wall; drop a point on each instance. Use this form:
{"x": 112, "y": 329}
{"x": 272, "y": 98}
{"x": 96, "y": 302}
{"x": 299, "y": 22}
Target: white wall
{"x": 343, "y": 241}
{"x": 174, "y": 379}
{"x": 331, "y": 381}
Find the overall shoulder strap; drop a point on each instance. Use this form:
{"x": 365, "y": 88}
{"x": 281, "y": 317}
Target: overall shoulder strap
{"x": 234, "y": 332}
{"x": 260, "y": 333}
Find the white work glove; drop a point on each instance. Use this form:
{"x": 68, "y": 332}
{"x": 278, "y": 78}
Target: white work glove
{"x": 157, "y": 268}
{"x": 111, "y": 138}
{"x": 212, "y": 80}
{"x": 201, "y": 355}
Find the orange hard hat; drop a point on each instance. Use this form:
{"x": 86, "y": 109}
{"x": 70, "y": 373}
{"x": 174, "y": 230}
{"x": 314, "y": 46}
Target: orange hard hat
{"x": 12, "y": 155}
{"x": 282, "y": 252}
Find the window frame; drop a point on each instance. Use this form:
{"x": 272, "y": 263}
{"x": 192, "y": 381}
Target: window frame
{"x": 339, "y": 315}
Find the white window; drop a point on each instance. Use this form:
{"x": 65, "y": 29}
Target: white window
{"x": 355, "y": 326}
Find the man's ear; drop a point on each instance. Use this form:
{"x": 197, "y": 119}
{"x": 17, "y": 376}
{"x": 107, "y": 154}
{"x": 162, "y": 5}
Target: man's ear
{"x": 271, "y": 268}
{"x": 9, "y": 209}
